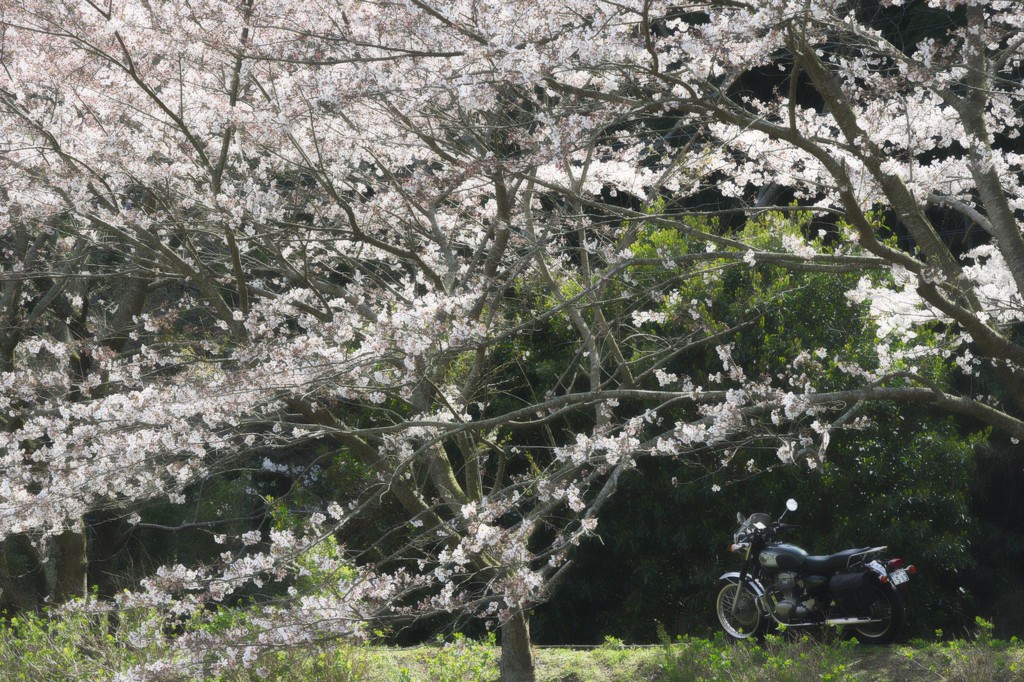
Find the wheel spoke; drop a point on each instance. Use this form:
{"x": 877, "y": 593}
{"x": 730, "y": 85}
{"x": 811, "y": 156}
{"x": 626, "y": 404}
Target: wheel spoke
{"x": 886, "y": 607}
{"x": 738, "y": 611}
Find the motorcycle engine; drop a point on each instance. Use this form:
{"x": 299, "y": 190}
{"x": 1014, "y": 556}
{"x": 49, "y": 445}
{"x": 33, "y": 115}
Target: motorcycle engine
{"x": 793, "y": 604}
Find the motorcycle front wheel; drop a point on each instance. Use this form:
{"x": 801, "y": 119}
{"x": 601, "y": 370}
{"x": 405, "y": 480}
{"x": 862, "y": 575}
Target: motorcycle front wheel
{"x": 887, "y": 606}
{"x": 747, "y": 620}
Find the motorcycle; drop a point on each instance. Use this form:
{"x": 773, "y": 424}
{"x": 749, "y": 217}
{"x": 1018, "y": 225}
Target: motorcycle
{"x": 779, "y": 584}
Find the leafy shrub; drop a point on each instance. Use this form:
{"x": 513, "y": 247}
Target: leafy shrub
{"x": 69, "y": 644}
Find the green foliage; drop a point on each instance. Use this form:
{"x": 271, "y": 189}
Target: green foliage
{"x": 323, "y": 567}
{"x": 613, "y": 650}
{"x": 68, "y": 645}
{"x": 458, "y": 660}
{"x": 463, "y": 660}
{"x": 998, "y": 543}
{"x": 691, "y": 659}
{"x": 906, "y": 484}
{"x": 900, "y": 482}
{"x": 73, "y": 646}
{"x": 982, "y": 657}
{"x": 901, "y": 477}
{"x": 333, "y": 663}
{"x": 841, "y": 660}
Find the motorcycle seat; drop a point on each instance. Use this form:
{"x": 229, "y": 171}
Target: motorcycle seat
{"x": 827, "y": 565}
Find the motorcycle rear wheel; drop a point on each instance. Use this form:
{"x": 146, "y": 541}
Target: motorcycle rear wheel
{"x": 886, "y": 605}
{"x": 748, "y": 621}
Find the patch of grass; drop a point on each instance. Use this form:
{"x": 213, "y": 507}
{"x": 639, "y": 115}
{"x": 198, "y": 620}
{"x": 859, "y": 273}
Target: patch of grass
{"x": 73, "y": 648}
{"x": 327, "y": 663}
{"x": 457, "y": 660}
{"x": 790, "y": 658}
{"x": 607, "y": 663}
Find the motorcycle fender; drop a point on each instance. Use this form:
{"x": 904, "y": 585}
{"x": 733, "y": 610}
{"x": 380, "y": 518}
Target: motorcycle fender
{"x": 734, "y": 577}
{"x": 877, "y": 567}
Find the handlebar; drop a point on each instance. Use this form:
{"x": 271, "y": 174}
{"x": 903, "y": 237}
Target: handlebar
{"x": 768, "y": 531}
{"x": 762, "y": 525}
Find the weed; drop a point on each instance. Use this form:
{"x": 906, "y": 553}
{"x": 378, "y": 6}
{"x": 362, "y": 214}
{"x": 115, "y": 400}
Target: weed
{"x": 337, "y": 663}
{"x": 613, "y": 651}
{"x": 462, "y": 660}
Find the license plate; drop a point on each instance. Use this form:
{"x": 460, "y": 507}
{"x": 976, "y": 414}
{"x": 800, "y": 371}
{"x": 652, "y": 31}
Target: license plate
{"x": 899, "y": 576}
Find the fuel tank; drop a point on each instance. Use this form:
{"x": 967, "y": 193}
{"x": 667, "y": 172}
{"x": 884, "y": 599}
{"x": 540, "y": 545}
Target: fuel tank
{"x": 782, "y": 557}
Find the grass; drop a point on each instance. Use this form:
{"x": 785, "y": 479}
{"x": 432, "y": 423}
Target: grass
{"x": 561, "y": 664}
{"x": 77, "y": 648}
{"x": 693, "y": 659}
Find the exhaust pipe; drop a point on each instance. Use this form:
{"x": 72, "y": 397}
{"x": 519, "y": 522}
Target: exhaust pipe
{"x": 841, "y": 622}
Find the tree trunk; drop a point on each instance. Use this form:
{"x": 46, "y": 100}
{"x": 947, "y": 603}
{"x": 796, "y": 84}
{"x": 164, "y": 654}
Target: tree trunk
{"x": 516, "y": 654}
{"x": 69, "y": 567}
{"x": 11, "y": 598}
{"x": 35, "y": 590}
{"x": 106, "y": 539}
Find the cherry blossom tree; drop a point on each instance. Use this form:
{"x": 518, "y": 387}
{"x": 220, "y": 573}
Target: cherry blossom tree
{"x": 921, "y": 130}
{"x": 267, "y": 223}
{"x": 330, "y": 232}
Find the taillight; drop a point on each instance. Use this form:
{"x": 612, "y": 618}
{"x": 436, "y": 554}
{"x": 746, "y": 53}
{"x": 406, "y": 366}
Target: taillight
{"x": 894, "y": 564}
{"x": 912, "y": 569}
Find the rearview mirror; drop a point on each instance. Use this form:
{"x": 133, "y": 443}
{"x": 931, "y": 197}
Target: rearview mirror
{"x": 791, "y": 504}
